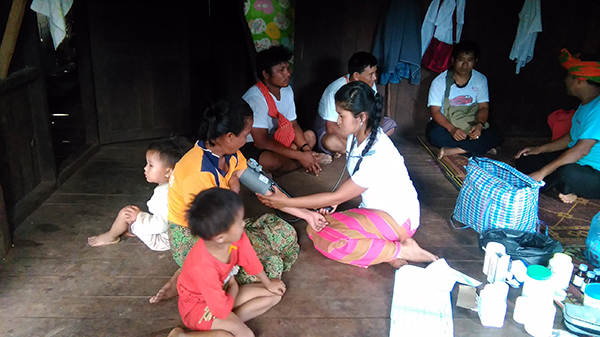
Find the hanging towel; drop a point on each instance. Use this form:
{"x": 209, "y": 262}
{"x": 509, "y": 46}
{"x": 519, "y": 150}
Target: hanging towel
{"x": 398, "y": 43}
{"x": 428, "y": 26}
{"x": 55, "y": 10}
{"x": 530, "y": 23}
{"x": 438, "y": 22}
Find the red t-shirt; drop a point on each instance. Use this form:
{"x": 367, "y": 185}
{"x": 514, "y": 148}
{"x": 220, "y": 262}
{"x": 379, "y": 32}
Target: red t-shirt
{"x": 200, "y": 283}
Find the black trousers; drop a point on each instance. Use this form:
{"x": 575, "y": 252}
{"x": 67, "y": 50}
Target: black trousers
{"x": 583, "y": 180}
{"x": 437, "y": 136}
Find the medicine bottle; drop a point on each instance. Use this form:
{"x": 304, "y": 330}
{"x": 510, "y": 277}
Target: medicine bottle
{"x": 561, "y": 266}
{"x": 580, "y": 275}
{"x": 589, "y": 278}
{"x": 597, "y": 279}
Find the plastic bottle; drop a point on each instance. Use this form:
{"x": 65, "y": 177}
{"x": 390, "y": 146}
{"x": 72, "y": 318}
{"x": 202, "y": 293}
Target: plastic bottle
{"x": 522, "y": 310}
{"x": 538, "y": 285}
{"x": 492, "y": 304}
{"x": 597, "y": 279}
{"x": 580, "y": 275}
{"x": 561, "y": 266}
{"x": 592, "y": 296}
{"x": 589, "y": 278}
{"x": 541, "y": 324}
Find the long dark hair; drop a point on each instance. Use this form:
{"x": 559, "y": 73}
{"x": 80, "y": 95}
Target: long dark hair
{"x": 358, "y": 97}
{"x": 223, "y": 117}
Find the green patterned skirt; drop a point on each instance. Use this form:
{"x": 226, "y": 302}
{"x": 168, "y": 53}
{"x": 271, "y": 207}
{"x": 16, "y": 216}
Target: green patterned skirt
{"x": 274, "y": 240}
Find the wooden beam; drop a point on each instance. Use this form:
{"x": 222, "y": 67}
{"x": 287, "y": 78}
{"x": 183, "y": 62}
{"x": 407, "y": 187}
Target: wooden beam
{"x": 9, "y": 40}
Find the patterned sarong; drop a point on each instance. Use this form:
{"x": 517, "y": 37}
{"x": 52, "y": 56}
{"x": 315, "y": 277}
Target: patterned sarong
{"x": 361, "y": 237}
{"x": 274, "y": 240}
{"x": 276, "y": 244}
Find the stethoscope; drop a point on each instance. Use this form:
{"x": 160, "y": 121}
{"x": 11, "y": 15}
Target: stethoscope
{"x": 348, "y": 155}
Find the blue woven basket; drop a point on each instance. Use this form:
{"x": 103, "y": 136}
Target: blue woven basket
{"x": 496, "y": 195}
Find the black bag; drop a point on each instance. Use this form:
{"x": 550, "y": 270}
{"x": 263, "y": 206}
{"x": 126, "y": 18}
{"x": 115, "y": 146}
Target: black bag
{"x": 531, "y": 248}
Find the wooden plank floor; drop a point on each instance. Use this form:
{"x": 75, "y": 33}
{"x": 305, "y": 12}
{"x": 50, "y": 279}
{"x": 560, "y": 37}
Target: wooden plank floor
{"x": 53, "y": 284}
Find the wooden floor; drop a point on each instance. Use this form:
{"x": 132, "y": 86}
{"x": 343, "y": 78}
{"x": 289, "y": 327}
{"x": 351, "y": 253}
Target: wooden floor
{"x": 53, "y": 284}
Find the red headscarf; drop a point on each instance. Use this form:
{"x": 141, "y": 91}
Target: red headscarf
{"x": 582, "y": 70}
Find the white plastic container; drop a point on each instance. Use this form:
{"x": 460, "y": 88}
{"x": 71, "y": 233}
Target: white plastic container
{"x": 561, "y": 266}
{"x": 592, "y": 296}
{"x": 492, "y": 250}
{"x": 541, "y": 323}
{"x": 522, "y": 310}
{"x": 492, "y": 305}
{"x": 538, "y": 285}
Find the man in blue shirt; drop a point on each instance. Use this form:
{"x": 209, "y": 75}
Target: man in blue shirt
{"x": 571, "y": 164}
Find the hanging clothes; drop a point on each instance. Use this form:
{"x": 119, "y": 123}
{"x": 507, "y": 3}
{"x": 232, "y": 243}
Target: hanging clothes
{"x": 530, "y": 24}
{"x": 438, "y": 22}
{"x": 271, "y": 23}
{"x": 55, "y": 10}
{"x": 398, "y": 43}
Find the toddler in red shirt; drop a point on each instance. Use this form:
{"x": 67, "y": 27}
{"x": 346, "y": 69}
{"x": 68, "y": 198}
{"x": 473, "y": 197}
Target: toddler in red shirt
{"x": 209, "y": 296}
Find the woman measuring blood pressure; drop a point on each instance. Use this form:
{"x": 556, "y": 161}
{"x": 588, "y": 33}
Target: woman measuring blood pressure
{"x": 381, "y": 229}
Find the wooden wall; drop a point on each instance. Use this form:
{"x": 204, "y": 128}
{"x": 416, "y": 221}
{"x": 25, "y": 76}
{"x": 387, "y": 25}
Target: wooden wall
{"x": 27, "y": 167}
{"x": 328, "y": 33}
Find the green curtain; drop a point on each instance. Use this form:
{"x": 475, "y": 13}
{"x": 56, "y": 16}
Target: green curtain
{"x": 271, "y": 23}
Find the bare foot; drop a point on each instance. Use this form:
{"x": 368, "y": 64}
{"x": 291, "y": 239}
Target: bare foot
{"x": 397, "y": 263}
{"x": 176, "y": 332}
{"x": 567, "y": 199}
{"x": 446, "y": 152}
{"x": 323, "y": 158}
{"x": 169, "y": 290}
{"x": 103, "y": 240}
{"x": 411, "y": 251}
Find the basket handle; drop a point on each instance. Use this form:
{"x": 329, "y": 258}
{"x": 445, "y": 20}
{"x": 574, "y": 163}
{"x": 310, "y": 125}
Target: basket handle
{"x": 539, "y": 226}
{"x": 511, "y": 170}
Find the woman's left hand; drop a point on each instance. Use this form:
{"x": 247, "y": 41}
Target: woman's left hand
{"x": 327, "y": 211}
{"x": 276, "y": 200}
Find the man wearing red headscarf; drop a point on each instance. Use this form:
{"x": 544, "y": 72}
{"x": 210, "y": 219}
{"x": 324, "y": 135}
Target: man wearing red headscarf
{"x": 571, "y": 164}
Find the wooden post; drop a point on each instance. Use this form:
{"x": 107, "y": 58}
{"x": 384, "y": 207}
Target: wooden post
{"x": 10, "y": 35}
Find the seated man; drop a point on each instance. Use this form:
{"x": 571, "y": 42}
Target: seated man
{"x": 459, "y": 105}
{"x": 276, "y": 140}
{"x": 362, "y": 66}
{"x": 571, "y": 164}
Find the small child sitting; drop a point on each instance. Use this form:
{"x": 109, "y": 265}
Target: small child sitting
{"x": 151, "y": 228}
{"x": 209, "y": 296}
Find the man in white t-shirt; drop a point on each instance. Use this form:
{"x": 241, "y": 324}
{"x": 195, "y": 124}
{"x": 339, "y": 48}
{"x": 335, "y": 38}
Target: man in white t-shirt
{"x": 276, "y": 140}
{"x": 362, "y": 66}
{"x": 469, "y": 88}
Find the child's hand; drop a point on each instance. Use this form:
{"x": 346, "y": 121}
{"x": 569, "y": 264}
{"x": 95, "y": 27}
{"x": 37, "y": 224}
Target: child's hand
{"x": 276, "y": 286}
{"x": 232, "y": 287}
{"x": 131, "y": 213}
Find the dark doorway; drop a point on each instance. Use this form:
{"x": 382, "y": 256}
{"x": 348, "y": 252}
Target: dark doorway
{"x": 63, "y": 88}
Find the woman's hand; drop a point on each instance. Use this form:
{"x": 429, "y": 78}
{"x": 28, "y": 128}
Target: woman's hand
{"x": 316, "y": 221}
{"x": 326, "y": 211}
{"x": 276, "y": 286}
{"x": 276, "y": 200}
